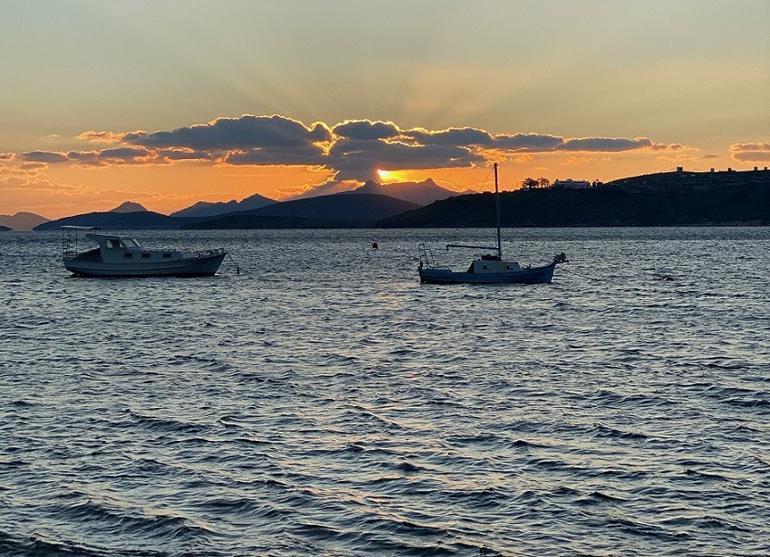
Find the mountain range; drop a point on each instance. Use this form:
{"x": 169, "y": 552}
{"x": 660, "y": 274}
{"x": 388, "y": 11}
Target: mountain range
{"x": 22, "y": 221}
{"x": 110, "y": 220}
{"x": 360, "y": 207}
{"x": 420, "y": 193}
{"x": 662, "y": 199}
{"x": 327, "y": 211}
{"x": 210, "y": 209}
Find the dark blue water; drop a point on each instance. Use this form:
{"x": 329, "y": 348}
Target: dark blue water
{"x": 324, "y": 402}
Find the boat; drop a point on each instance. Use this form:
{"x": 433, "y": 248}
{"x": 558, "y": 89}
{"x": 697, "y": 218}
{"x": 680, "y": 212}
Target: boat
{"x": 489, "y": 268}
{"x": 119, "y": 256}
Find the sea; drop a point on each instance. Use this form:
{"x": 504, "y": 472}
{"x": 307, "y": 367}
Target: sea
{"x": 324, "y": 402}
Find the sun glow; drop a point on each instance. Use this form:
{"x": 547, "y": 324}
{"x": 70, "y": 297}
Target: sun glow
{"x": 387, "y": 175}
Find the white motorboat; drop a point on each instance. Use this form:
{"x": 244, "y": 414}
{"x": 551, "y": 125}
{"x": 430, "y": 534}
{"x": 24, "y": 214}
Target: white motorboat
{"x": 118, "y": 256}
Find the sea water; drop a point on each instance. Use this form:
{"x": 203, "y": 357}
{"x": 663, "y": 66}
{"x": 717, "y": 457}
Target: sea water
{"x": 325, "y": 402}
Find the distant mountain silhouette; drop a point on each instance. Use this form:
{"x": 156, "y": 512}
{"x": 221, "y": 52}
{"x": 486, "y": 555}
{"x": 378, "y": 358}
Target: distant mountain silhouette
{"x": 367, "y": 207}
{"x": 329, "y": 187}
{"x": 117, "y": 221}
{"x": 249, "y": 221}
{"x": 210, "y": 209}
{"x": 22, "y": 221}
{"x": 317, "y": 212}
{"x": 664, "y": 199}
{"x": 128, "y": 207}
{"x": 326, "y": 211}
{"x": 4, "y": 228}
{"x": 421, "y": 193}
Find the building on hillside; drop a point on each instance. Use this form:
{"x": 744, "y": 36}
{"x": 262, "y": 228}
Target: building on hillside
{"x": 571, "y": 184}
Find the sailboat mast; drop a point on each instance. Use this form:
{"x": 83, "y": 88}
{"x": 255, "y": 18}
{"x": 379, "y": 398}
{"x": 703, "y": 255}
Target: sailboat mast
{"x": 497, "y": 209}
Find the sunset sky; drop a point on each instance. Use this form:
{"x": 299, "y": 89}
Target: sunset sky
{"x": 166, "y": 103}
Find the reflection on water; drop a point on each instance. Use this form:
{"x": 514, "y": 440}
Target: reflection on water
{"x": 325, "y": 402}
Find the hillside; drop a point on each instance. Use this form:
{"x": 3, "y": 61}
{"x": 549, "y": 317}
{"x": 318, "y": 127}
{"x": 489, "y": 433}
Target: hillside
{"x": 22, "y": 221}
{"x": 365, "y": 207}
{"x": 4, "y": 228}
{"x": 210, "y": 209}
{"x": 327, "y": 211}
{"x": 117, "y": 221}
{"x": 245, "y": 221}
{"x": 665, "y": 199}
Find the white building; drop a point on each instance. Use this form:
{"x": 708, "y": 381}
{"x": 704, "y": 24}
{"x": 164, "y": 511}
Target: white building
{"x": 571, "y": 184}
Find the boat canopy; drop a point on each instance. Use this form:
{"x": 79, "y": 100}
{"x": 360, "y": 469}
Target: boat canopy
{"x": 98, "y": 237}
{"x": 113, "y": 241}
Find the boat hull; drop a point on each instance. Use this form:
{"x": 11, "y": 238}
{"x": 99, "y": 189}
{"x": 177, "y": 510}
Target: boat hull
{"x": 203, "y": 266}
{"x": 532, "y": 275}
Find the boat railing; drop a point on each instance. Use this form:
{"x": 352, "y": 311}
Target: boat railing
{"x": 69, "y": 240}
{"x": 209, "y": 252}
{"x": 69, "y": 244}
{"x": 426, "y": 256}
{"x": 489, "y": 248}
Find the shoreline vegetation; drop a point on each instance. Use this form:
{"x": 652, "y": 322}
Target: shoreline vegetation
{"x": 680, "y": 198}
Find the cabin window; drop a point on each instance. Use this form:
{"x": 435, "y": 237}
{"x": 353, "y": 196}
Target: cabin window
{"x": 145, "y": 256}
{"x": 113, "y": 244}
{"x": 486, "y": 267}
{"x": 128, "y": 255}
{"x": 167, "y": 255}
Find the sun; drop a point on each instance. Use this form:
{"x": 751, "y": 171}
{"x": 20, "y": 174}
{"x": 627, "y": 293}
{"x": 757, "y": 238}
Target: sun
{"x": 389, "y": 175}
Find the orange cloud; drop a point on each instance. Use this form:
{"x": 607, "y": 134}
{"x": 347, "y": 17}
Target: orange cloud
{"x": 101, "y": 137}
{"x": 754, "y": 152}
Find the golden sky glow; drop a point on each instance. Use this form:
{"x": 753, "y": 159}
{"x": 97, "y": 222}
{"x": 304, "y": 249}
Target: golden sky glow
{"x": 593, "y": 90}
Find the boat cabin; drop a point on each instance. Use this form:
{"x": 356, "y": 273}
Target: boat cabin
{"x": 493, "y": 264}
{"x": 112, "y": 249}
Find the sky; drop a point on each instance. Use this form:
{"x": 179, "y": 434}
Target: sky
{"x": 167, "y": 103}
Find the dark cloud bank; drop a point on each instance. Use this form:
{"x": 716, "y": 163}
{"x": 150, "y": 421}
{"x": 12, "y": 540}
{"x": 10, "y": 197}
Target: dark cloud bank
{"x": 353, "y": 149}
